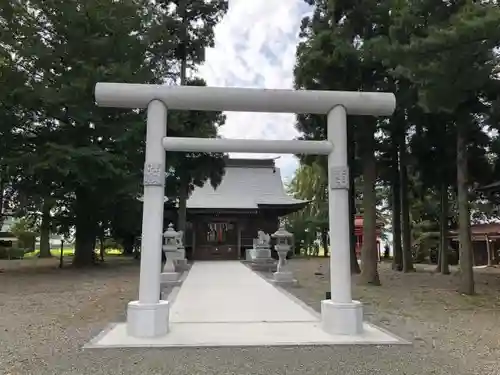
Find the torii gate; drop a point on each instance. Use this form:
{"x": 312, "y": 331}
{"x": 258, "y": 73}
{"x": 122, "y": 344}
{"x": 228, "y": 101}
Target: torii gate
{"x": 149, "y": 316}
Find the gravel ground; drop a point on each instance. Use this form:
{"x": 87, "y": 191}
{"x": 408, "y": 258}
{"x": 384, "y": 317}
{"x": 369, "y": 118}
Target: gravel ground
{"x": 451, "y": 333}
{"x": 47, "y": 314}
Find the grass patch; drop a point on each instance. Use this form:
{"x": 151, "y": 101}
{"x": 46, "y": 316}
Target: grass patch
{"x": 69, "y": 252}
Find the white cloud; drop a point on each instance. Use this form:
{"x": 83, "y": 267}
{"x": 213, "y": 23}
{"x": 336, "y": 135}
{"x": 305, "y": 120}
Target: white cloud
{"x": 255, "y": 47}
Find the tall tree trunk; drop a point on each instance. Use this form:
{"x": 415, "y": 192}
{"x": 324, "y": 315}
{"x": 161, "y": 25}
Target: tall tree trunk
{"x": 397, "y": 250}
{"x": 443, "y": 192}
{"x": 86, "y": 229}
{"x": 324, "y": 242}
{"x": 45, "y": 230}
{"x": 369, "y": 252}
{"x": 184, "y": 40}
{"x": 2, "y": 195}
{"x": 183, "y": 196}
{"x": 441, "y": 233}
{"x": 94, "y": 245}
{"x": 488, "y": 252}
{"x": 128, "y": 245}
{"x": 466, "y": 256}
{"x": 184, "y": 183}
{"x": 351, "y": 161}
{"x": 438, "y": 265}
{"x": 102, "y": 248}
{"x": 405, "y": 206}
{"x": 443, "y": 262}
{"x": 355, "y": 269}
{"x": 494, "y": 253}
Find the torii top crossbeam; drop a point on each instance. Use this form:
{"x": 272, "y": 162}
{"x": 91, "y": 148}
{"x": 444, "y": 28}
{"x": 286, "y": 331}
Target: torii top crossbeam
{"x": 202, "y": 98}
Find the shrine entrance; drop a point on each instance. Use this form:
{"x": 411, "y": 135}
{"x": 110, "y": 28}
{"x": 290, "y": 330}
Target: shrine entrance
{"x": 340, "y": 315}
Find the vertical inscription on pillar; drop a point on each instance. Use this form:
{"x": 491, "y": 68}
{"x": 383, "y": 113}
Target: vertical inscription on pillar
{"x": 339, "y": 178}
{"x": 153, "y": 174}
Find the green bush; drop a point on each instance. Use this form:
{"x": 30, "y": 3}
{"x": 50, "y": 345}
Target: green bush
{"x": 111, "y": 243}
{"x": 12, "y": 253}
{"x": 27, "y": 240}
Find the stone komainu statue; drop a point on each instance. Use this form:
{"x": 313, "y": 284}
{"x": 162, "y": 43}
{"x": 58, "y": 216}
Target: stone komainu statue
{"x": 178, "y": 238}
{"x": 263, "y": 238}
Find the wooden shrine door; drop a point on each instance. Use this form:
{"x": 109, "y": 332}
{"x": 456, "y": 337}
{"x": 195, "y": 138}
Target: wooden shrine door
{"x": 216, "y": 240}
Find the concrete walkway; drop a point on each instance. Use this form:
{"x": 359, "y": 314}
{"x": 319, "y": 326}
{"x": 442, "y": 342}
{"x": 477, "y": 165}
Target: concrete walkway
{"x": 224, "y": 292}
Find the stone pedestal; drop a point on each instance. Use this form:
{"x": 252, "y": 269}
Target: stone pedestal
{"x": 262, "y": 253}
{"x": 169, "y": 274}
{"x": 180, "y": 260}
{"x": 261, "y": 257}
{"x": 250, "y": 254}
{"x": 283, "y": 277}
{"x": 339, "y": 318}
{"x": 147, "y": 319}
{"x": 169, "y": 277}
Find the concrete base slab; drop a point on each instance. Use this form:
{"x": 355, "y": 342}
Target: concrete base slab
{"x": 227, "y": 304}
{"x": 243, "y": 334}
{"x": 147, "y": 320}
{"x": 342, "y": 318}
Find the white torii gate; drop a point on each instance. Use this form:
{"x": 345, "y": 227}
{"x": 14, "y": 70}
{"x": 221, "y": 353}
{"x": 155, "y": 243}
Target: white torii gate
{"x": 149, "y": 316}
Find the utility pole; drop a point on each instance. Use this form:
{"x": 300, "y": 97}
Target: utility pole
{"x": 183, "y": 45}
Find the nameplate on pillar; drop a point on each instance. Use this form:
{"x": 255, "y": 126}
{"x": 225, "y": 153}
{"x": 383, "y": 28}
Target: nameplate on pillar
{"x": 154, "y": 174}
{"x": 339, "y": 178}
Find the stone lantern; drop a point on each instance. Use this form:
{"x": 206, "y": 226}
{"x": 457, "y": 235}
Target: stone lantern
{"x": 170, "y": 248}
{"x": 282, "y": 247}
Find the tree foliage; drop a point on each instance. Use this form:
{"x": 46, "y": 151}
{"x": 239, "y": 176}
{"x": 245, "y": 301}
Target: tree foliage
{"x": 68, "y": 162}
{"x": 441, "y": 61}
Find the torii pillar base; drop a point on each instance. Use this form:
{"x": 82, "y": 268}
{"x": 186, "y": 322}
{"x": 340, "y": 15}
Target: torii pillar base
{"x": 342, "y": 318}
{"x": 146, "y": 320}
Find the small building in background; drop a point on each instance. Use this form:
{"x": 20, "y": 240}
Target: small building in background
{"x": 7, "y": 238}
{"x": 54, "y": 242}
{"x": 485, "y": 243}
{"x": 485, "y": 236}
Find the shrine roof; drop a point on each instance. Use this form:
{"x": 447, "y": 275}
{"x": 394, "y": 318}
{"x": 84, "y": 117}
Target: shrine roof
{"x": 247, "y": 184}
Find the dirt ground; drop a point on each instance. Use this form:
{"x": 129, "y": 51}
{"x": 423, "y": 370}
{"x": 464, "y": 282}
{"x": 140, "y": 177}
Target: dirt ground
{"x": 423, "y": 307}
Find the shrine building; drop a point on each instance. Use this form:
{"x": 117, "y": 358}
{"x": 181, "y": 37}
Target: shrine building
{"x": 222, "y": 223}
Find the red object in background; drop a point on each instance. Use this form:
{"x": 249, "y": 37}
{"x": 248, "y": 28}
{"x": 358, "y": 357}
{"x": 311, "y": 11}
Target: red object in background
{"x": 220, "y": 229}
{"x": 358, "y": 231}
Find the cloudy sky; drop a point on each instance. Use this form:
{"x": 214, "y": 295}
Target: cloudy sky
{"x": 255, "y": 47}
